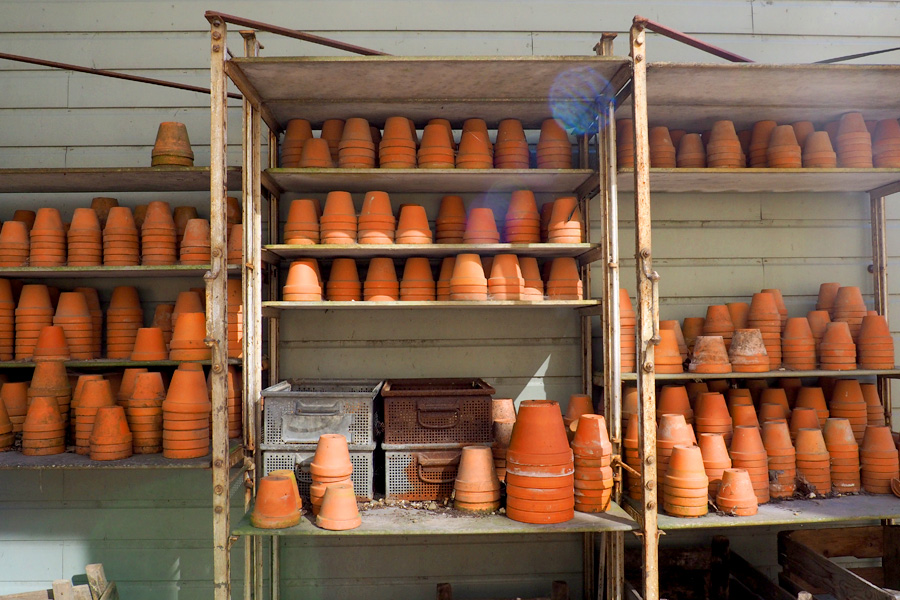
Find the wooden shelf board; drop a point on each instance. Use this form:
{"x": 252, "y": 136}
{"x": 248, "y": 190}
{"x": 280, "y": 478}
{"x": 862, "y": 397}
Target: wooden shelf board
{"x": 891, "y": 373}
{"x": 399, "y": 521}
{"x": 112, "y": 179}
{"x": 272, "y": 307}
{"x": 762, "y": 180}
{"x": 431, "y": 180}
{"x": 111, "y": 272}
{"x": 108, "y": 363}
{"x": 423, "y": 88}
{"x": 694, "y": 95}
{"x": 14, "y": 459}
{"x": 845, "y": 509}
{"x": 364, "y": 251}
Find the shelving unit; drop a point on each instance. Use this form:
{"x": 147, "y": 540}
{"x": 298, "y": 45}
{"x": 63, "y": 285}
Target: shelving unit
{"x": 745, "y": 93}
{"x": 491, "y": 88}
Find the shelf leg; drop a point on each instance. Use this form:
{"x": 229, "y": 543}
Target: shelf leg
{"x": 648, "y": 316}
{"x": 276, "y": 568}
{"x": 880, "y": 281}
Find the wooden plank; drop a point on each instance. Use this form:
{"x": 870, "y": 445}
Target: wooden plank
{"x": 860, "y": 542}
{"x": 891, "y": 555}
{"x": 41, "y": 595}
{"x": 110, "y": 179}
{"x": 62, "y": 590}
{"x": 364, "y": 251}
{"x": 111, "y": 592}
{"x": 96, "y": 579}
{"x": 755, "y": 581}
{"x": 764, "y": 180}
{"x": 82, "y": 592}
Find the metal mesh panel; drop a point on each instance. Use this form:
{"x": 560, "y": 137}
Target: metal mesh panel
{"x": 362, "y": 470}
{"x": 437, "y": 421}
{"x": 421, "y": 475}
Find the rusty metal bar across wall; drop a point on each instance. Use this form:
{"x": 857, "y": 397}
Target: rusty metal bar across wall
{"x": 689, "y": 40}
{"x": 113, "y": 74}
{"x": 293, "y": 33}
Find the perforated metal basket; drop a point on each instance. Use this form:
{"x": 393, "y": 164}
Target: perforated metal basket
{"x": 297, "y": 411}
{"x": 299, "y": 461}
{"x": 436, "y": 411}
{"x": 422, "y": 474}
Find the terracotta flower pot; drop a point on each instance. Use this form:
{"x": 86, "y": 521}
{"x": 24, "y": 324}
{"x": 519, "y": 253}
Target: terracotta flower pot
{"x": 275, "y": 506}
{"x": 667, "y": 356}
{"x": 110, "y": 438}
{"x": 44, "y": 429}
{"x": 579, "y": 404}
{"x": 412, "y": 227}
{"x": 51, "y": 344}
{"x": 710, "y": 355}
{"x": 691, "y": 327}
{"x": 188, "y": 338}
{"x": 736, "y": 494}
{"x": 332, "y": 458}
{"x": 339, "y": 511}
{"x": 591, "y": 438}
{"x": 715, "y": 458}
{"x": 673, "y": 399}
{"x": 172, "y": 147}
{"x": 149, "y": 345}
{"x": 738, "y": 312}
{"x": 747, "y": 353}
{"x": 813, "y": 397}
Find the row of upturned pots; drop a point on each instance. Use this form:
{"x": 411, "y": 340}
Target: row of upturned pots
{"x": 850, "y": 142}
{"x": 107, "y": 234}
{"x": 111, "y": 417}
{"x": 557, "y": 222}
{"x": 357, "y": 144}
{"x": 41, "y": 322}
{"x": 790, "y": 442}
{"x": 462, "y": 277}
{"x": 840, "y": 335}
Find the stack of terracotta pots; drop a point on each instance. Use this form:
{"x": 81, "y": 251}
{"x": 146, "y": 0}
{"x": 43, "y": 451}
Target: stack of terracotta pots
{"x": 511, "y": 149}
{"x": 111, "y": 438}
{"x": 7, "y": 321}
{"x": 44, "y": 429}
{"x": 593, "y": 460}
{"x": 818, "y": 153}
{"x": 316, "y": 154}
{"x": 233, "y": 395}
{"x": 181, "y": 215}
{"x": 450, "y": 225}
{"x": 691, "y": 327}
{"x": 468, "y": 281}
{"x": 554, "y": 151}
{"x": 765, "y": 317}
{"x": 827, "y": 295}
{"x": 523, "y": 222}
{"x": 48, "y": 239}
{"x": 876, "y": 345}
{"x": 813, "y": 397}
{"x": 662, "y": 149}
{"x": 158, "y": 237}
{"x": 444, "y": 276}
{"x": 685, "y": 485}
{"x": 304, "y": 282}
{"x": 302, "y": 226}
{"x": 234, "y": 317}
{"x": 338, "y": 225}
{"x": 844, "y": 454}
{"x": 854, "y": 142}
{"x": 74, "y": 316}
{"x": 759, "y": 143}
{"x": 121, "y": 242}
{"x": 818, "y": 321}
{"x": 691, "y": 153}
{"x": 743, "y": 414}
{"x": 803, "y": 418}
{"x": 873, "y": 404}
{"x": 837, "y": 352}
{"x": 235, "y": 245}
{"x": 709, "y": 355}
{"x": 504, "y": 419}
{"x": 736, "y": 495}
{"x": 332, "y": 132}
{"x": 886, "y": 144}
{"x": 162, "y": 318}
{"x": 565, "y": 280}
{"x": 540, "y": 466}
{"x": 506, "y": 281}
{"x": 126, "y": 383}
{"x": 412, "y": 226}
{"x": 718, "y": 322}
{"x": 418, "y": 281}
{"x": 747, "y": 353}
{"x": 749, "y": 453}
{"x": 782, "y": 458}
{"x": 188, "y": 338}
{"x": 477, "y": 488}
{"x": 798, "y": 345}
{"x": 50, "y": 379}
{"x": 783, "y": 151}
{"x": 397, "y": 149}
{"x": 667, "y": 357}
{"x": 14, "y": 244}
{"x": 295, "y": 135}
{"x": 381, "y": 283}
{"x": 33, "y": 313}
{"x": 673, "y": 399}
{"x": 724, "y": 148}
{"x": 85, "y": 248}
{"x": 879, "y": 460}
{"x": 813, "y": 460}
{"x": 474, "y": 149}
{"x": 712, "y": 415}
{"x": 565, "y": 226}
{"x": 343, "y": 283}
{"x": 376, "y": 221}
{"x": 172, "y": 147}
{"x": 436, "y": 149}
{"x": 625, "y": 143}
{"x": 95, "y": 394}
{"x": 186, "y": 412}
{"x": 738, "y": 312}
{"x": 276, "y": 505}
{"x": 123, "y": 319}
{"x": 481, "y": 227}
{"x": 534, "y": 285}
{"x": 627, "y": 333}
{"x": 7, "y": 436}
{"x": 195, "y": 245}
{"x": 356, "y": 149}
{"x": 847, "y": 402}
{"x": 186, "y": 302}
{"x": 672, "y": 430}
{"x": 51, "y": 344}
{"x": 93, "y": 301}
{"x": 632, "y": 458}
{"x": 850, "y": 307}
{"x": 715, "y": 459}
{"x": 330, "y": 466}
{"x": 143, "y": 409}
{"x": 14, "y": 396}
{"x": 149, "y": 344}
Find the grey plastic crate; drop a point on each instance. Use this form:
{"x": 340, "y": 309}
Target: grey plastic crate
{"x": 299, "y": 461}
{"x": 297, "y": 411}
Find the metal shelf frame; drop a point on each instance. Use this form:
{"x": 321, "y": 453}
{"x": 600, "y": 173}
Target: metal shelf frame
{"x": 277, "y": 89}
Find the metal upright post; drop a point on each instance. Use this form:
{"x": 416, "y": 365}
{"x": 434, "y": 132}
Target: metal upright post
{"x": 216, "y": 326}
{"x": 880, "y": 280}
{"x": 648, "y": 316}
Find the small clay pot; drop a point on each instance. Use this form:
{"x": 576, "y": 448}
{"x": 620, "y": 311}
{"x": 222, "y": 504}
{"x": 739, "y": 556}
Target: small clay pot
{"x": 275, "y": 506}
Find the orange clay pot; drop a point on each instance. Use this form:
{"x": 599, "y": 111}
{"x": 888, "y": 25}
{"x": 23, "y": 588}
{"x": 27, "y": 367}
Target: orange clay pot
{"x": 539, "y": 435}
{"x": 275, "y": 506}
{"x": 332, "y": 457}
{"x": 339, "y": 511}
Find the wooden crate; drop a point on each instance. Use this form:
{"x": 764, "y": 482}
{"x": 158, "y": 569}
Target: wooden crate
{"x": 96, "y": 588}
{"x": 806, "y": 558}
{"x": 559, "y": 590}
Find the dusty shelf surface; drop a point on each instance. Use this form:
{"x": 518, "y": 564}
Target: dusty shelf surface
{"x": 532, "y": 88}
{"x": 271, "y": 308}
{"x": 427, "y": 250}
{"x": 112, "y": 179}
{"x": 392, "y": 520}
{"x": 14, "y": 459}
{"x": 762, "y": 180}
{"x": 443, "y": 181}
{"x": 891, "y": 373}
{"x": 863, "y": 507}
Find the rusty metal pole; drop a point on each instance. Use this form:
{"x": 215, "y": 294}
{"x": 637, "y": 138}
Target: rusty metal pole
{"x": 648, "y": 316}
{"x": 880, "y": 280}
{"x": 216, "y": 327}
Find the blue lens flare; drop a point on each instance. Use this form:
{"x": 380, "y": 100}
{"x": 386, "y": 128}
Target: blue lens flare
{"x": 575, "y": 96}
